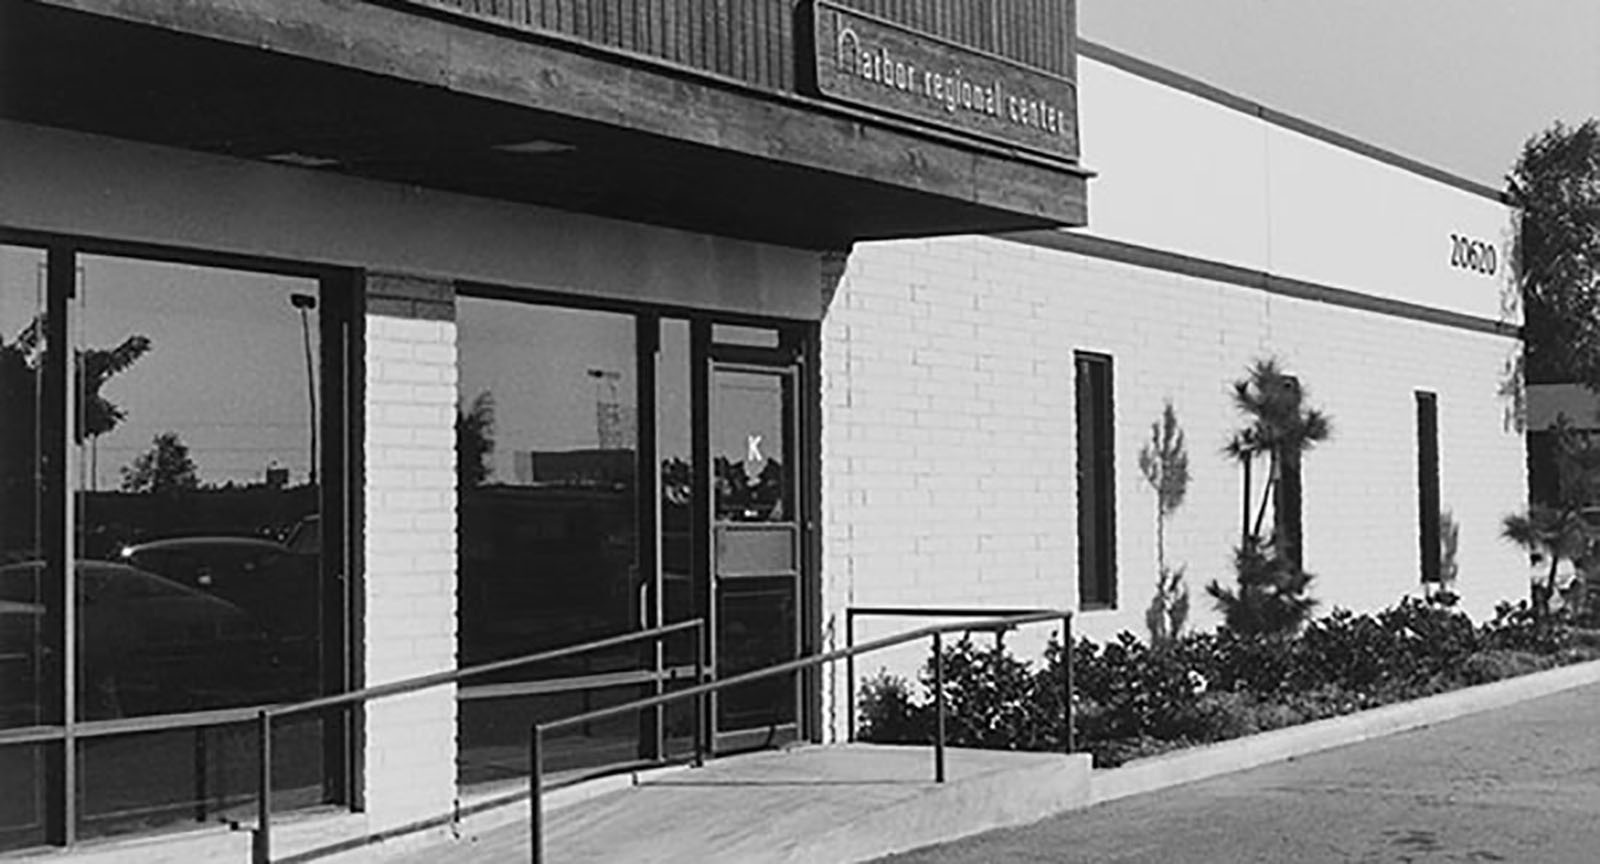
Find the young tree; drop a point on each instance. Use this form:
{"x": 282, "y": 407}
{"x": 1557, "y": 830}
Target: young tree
{"x": 1270, "y": 597}
{"x": 19, "y": 443}
{"x": 1165, "y": 465}
{"x": 1556, "y": 187}
{"x": 1444, "y": 591}
{"x": 21, "y": 360}
{"x": 164, "y": 468}
{"x": 475, "y": 441}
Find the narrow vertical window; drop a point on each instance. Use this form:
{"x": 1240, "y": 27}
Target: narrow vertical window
{"x": 1288, "y": 497}
{"x": 1428, "y": 484}
{"x": 1097, "y": 576}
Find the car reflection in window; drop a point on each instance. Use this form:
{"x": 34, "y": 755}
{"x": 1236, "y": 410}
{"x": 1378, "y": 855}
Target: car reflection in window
{"x": 146, "y": 644}
{"x": 271, "y": 581}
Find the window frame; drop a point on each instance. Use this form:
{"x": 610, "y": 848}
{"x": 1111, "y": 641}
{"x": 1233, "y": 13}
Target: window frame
{"x": 1429, "y": 515}
{"x": 1094, "y": 411}
{"x": 341, "y": 369}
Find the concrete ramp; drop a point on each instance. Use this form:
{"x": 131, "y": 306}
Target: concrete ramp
{"x": 808, "y": 804}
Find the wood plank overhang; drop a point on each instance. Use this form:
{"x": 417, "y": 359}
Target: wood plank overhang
{"x": 383, "y": 91}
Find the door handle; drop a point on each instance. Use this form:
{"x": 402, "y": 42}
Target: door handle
{"x": 644, "y": 600}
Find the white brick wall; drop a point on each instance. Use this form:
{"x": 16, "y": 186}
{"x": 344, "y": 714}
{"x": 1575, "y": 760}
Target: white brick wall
{"x": 949, "y": 445}
{"x": 410, "y": 566}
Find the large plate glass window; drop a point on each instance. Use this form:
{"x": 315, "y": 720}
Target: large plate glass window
{"x": 682, "y": 593}
{"x": 547, "y": 444}
{"x": 196, "y": 529}
{"x": 29, "y": 611}
{"x": 162, "y": 567}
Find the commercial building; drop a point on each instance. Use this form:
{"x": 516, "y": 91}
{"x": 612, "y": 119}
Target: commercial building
{"x": 1221, "y": 232}
{"x": 349, "y": 342}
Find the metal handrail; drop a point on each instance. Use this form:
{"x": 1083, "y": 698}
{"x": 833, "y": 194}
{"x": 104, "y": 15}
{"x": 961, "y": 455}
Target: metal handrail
{"x": 852, "y": 612}
{"x": 261, "y": 847}
{"x": 937, "y": 631}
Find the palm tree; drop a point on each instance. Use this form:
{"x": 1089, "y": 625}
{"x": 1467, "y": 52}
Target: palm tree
{"x": 1548, "y": 533}
{"x": 1558, "y": 530}
{"x": 1280, "y": 427}
{"x": 1270, "y": 597}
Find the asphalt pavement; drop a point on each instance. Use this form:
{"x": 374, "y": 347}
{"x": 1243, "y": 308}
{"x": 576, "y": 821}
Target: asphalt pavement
{"x": 1517, "y": 784}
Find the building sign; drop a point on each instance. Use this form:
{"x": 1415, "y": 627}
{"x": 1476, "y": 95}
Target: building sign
{"x": 1478, "y": 256}
{"x": 880, "y": 65}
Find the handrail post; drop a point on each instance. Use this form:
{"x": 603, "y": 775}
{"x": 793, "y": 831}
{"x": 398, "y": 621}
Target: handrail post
{"x": 938, "y": 700}
{"x": 536, "y": 794}
{"x": 1069, "y": 737}
{"x": 850, "y": 676}
{"x": 261, "y": 848}
{"x": 700, "y": 701}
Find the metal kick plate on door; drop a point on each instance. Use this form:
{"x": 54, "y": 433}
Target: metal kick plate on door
{"x": 756, "y": 549}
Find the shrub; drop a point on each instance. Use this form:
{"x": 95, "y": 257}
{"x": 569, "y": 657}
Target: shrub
{"x": 1132, "y": 700}
{"x": 1526, "y": 627}
{"x": 991, "y": 700}
{"x": 1138, "y": 691}
{"x": 1499, "y": 663}
{"x": 1270, "y": 598}
{"x": 888, "y": 713}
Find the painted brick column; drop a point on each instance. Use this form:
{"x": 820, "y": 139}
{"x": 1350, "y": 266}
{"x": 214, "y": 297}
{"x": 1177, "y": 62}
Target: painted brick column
{"x": 410, "y": 502}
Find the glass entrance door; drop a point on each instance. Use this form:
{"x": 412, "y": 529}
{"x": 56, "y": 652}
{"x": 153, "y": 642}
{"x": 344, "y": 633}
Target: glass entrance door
{"x": 755, "y": 549}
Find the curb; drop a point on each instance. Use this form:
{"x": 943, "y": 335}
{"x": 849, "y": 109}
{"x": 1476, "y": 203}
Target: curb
{"x": 992, "y": 800}
{"x": 1225, "y": 757}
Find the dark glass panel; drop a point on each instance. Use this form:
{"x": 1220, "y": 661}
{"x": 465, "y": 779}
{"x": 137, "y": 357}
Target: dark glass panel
{"x": 494, "y": 734}
{"x": 679, "y": 723}
{"x": 751, "y": 337}
{"x": 24, "y": 602}
{"x": 546, "y": 438}
{"x": 1096, "y": 489}
{"x": 755, "y": 629}
{"x": 674, "y": 442}
{"x": 748, "y": 448}
{"x": 22, "y": 805}
{"x": 137, "y": 782}
{"x": 1429, "y": 515}
{"x": 195, "y": 418}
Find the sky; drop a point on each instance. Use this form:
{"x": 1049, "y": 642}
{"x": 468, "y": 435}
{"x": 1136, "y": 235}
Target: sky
{"x": 1458, "y": 84}
{"x": 226, "y": 369}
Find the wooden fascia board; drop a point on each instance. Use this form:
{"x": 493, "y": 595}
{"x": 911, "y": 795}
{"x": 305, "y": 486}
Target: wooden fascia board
{"x": 481, "y": 63}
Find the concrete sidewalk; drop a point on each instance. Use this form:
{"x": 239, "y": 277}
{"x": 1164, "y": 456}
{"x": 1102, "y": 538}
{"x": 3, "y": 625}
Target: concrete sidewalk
{"x": 808, "y": 804}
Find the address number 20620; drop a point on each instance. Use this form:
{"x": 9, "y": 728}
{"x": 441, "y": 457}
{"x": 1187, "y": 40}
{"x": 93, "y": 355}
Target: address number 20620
{"x": 1475, "y": 255}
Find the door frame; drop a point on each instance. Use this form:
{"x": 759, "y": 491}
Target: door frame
{"x": 796, "y": 346}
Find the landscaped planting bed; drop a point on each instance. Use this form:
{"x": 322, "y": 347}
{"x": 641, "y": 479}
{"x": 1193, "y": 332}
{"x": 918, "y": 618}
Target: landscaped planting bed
{"x": 1131, "y": 700}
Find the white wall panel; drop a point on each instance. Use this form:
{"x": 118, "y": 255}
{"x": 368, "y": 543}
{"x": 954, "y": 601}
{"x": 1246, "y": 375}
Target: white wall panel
{"x": 1183, "y": 173}
{"x": 1340, "y": 219}
{"x": 1174, "y": 171}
